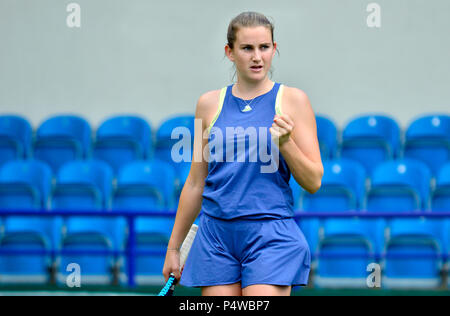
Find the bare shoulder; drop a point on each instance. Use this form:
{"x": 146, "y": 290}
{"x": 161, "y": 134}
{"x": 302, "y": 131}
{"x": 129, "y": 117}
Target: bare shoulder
{"x": 295, "y": 96}
{"x": 296, "y": 102}
{"x": 207, "y": 105}
{"x": 209, "y": 100}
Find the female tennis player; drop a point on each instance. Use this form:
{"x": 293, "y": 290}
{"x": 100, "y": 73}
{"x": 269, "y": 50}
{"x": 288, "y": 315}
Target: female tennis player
{"x": 248, "y": 242}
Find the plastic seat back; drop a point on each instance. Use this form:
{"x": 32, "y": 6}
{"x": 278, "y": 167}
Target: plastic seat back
{"x": 122, "y": 139}
{"x": 15, "y": 138}
{"x": 371, "y": 139}
{"x": 145, "y": 185}
{"x": 427, "y": 139}
{"x": 327, "y": 136}
{"x": 440, "y": 200}
{"x": 176, "y": 124}
{"x": 343, "y": 187}
{"x": 83, "y": 184}
{"x": 342, "y": 190}
{"x": 400, "y": 185}
{"x": 177, "y": 151}
{"x": 62, "y": 138}
{"x": 25, "y": 184}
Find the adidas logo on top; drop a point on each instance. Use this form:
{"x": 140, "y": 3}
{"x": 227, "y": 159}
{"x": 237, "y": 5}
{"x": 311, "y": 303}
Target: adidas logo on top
{"x": 247, "y": 108}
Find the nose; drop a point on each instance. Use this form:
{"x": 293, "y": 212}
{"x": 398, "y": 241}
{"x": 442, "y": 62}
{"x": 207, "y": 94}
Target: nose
{"x": 257, "y": 55}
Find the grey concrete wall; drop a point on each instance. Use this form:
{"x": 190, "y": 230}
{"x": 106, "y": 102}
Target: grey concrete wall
{"x": 155, "y": 58}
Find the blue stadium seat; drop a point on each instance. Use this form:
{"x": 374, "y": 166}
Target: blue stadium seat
{"x": 399, "y": 185}
{"x": 427, "y": 138}
{"x": 62, "y": 138}
{"x": 178, "y": 125}
{"x": 327, "y": 136}
{"x": 371, "y": 139}
{"x": 98, "y": 234}
{"x": 440, "y": 202}
{"x": 123, "y": 139}
{"x": 413, "y": 254}
{"x": 153, "y": 234}
{"x": 182, "y": 127}
{"x": 83, "y": 184}
{"x": 297, "y": 191}
{"x": 404, "y": 185}
{"x": 147, "y": 185}
{"x": 396, "y": 186}
{"x": 441, "y": 193}
{"x": 87, "y": 185}
{"x": 343, "y": 189}
{"x": 26, "y": 185}
{"x": 15, "y": 138}
{"x": 342, "y": 262}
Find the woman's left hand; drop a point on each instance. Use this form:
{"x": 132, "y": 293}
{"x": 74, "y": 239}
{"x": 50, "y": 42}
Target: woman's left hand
{"x": 281, "y": 129}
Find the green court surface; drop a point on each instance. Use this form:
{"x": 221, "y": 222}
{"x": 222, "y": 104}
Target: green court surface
{"x": 184, "y": 291}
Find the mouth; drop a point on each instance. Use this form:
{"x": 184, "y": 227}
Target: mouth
{"x": 256, "y": 68}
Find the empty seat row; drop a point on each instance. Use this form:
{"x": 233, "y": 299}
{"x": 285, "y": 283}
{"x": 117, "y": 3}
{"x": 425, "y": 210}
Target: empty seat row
{"x": 411, "y": 250}
{"x": 86, "y": 184}
{"x": 346, "y": 184}
{"x": 395, "y": 186}
{"x": 391, "y": 186}
{"x": 83, "y": 185}
{"x": 367, "y": 138}
{"x": 401, "y": 185}
{"x": 374, "y": 138}
{"x": 352, "y": 186}
{"x": 96, "y": 245}
{"x": 118, "y": 140}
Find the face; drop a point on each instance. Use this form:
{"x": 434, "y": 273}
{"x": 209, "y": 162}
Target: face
{"x": 252, "y": 52}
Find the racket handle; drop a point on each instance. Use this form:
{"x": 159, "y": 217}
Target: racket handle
{"x": 175, "y": 281}
{"x": 172, "y": 288}
{"x": 169, "y": 287}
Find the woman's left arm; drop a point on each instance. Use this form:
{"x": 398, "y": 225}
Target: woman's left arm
{"x": 296, "y": 132}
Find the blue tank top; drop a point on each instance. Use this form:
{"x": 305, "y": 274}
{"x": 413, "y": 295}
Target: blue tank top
{"x": 247, "y": 176}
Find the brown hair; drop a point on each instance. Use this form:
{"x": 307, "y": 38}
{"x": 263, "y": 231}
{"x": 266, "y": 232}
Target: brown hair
{"x": 247, "y": 19}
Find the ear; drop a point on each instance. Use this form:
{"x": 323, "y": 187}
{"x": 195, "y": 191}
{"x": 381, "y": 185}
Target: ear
{"x": 274, "y": 48}
{"x": 229, "y": 53}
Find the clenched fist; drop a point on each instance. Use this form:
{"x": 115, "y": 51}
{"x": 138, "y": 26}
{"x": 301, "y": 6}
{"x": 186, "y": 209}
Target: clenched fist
{"x": 281, "y": 129}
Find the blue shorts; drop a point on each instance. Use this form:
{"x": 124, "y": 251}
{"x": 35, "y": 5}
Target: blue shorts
{"x": 268, "y": 251}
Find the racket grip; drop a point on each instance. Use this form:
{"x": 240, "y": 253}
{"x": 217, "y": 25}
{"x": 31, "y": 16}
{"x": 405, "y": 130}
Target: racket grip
{"x": 172, "y": 288}
{"x": 175, "y": 281}
{"x": 169, "y": 287}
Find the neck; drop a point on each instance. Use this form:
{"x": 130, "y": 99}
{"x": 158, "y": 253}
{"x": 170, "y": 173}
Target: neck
{"x": 249, "y": 90}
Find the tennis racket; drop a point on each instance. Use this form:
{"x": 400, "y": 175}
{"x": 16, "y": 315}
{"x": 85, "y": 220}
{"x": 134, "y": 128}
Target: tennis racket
{"x": 169, "y": 287}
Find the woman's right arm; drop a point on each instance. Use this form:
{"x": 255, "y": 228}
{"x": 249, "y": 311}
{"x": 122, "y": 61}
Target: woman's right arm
{"x": 190, "y": 202}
